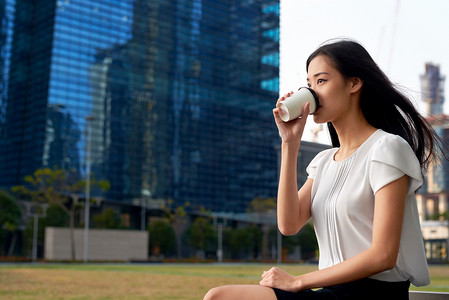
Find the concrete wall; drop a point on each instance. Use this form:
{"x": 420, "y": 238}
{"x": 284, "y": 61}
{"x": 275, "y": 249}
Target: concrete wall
{"x": 104, "y": 244}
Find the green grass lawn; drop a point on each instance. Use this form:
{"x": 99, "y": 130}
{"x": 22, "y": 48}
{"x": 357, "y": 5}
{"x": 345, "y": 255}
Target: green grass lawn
{"x": 149, "y": 281}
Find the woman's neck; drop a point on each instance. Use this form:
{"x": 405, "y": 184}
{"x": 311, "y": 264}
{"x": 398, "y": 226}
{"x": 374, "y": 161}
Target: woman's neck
{"x": 352, "y": 136}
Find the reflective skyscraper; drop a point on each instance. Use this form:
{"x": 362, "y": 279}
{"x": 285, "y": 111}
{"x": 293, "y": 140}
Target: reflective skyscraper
{"x": 179, "y": 95}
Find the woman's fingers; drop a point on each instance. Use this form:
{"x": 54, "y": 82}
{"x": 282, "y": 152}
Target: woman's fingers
{"x": 284, "y": 97}
{"x": 269, "y": 272}
{"x": 270, "y": 277}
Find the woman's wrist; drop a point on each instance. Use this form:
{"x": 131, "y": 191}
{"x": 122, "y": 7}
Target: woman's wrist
{"x": 298, "y": 284}
{"x": 289, "y": 151}
{"x": 294, "y": 145}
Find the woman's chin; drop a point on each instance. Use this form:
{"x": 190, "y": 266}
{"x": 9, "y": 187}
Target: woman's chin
{"x": 317, "y": 119}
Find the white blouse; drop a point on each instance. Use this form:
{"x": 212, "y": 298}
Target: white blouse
{"x": 343, "y": 204}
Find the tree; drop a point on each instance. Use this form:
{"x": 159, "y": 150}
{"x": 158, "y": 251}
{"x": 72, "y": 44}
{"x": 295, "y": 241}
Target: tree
{"x": 240, "y": 241}
{"x": 256, "y": 236}
{"x": 178, "y": 219}
{"x": 201, "y": 235}
{"x": 55, "y": 217}
{"x": 265, "y": 208}
{"x": 262, "y": 205}
{"x": 109, "y": 218}
{"x": 308, "y": 242}
{"x": 245, "y": 240}
{"x": 57, "y": 187}
{"x": 162, "y": 237}
{"x": 10, "y": 216}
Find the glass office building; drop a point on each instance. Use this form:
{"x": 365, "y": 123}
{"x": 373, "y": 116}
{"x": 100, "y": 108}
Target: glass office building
{"x": 178, "y": 95}
{"x": 6, "y": 32}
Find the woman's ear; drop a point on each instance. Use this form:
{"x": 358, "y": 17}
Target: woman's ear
{"x": 356, "y": 84}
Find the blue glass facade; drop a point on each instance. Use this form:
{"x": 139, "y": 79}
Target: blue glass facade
{"x": 179, "y": 93}
{"x": 6, "y": 33}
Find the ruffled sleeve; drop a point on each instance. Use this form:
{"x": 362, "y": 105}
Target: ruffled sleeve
{"x": 313, "y": 165}
{"x": 392, "y": 158}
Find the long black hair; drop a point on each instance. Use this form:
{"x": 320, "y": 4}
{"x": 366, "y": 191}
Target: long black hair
{"x": 382, "y": 104}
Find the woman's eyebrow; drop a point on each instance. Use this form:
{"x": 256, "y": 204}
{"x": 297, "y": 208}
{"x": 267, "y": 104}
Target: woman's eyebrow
{"x": 318, "y": 74}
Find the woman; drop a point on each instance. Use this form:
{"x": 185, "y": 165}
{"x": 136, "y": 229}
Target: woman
{"x": 359, "y": 194}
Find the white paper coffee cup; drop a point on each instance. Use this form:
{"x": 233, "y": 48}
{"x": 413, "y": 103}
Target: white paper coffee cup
{"x": 293, "y": 105}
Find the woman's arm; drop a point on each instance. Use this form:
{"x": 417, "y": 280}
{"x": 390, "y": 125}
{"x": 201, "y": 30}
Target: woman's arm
{"x": 293, "y": 206}
{"x": 381, "y": 256}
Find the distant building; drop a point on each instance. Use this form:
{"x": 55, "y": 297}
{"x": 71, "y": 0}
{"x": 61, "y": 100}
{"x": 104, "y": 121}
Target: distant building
{"x": 433, "y": 197}
{"x": 432, "y": 88}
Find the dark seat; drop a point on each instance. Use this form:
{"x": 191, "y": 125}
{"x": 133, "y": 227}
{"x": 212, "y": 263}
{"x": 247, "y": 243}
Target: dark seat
{"x": 414, "y": 295}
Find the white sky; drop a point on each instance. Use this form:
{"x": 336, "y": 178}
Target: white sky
{"x": 401, "y": 36}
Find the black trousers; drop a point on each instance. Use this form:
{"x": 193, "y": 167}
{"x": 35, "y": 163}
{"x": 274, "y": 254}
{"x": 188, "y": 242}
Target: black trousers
{"x": 365, "y": 289}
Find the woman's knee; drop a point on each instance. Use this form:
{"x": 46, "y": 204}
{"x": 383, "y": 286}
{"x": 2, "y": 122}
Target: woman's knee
{"x": 216, "y": 293}
{"x": 241, "y": 292}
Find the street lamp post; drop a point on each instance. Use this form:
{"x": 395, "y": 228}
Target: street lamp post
{"x": 220, "y": 242}
{"x": 146, "y": 194}
{"x": 89, "y": 120}
{"x": 35, "y": 233}
{"x": 35, "y": 211}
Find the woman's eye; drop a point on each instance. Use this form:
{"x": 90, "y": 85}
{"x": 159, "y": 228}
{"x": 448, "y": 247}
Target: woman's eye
{"x": 320, "y": 81}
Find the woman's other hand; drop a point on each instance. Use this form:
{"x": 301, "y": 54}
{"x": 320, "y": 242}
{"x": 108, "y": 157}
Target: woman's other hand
{"x": 277, "y": 278}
